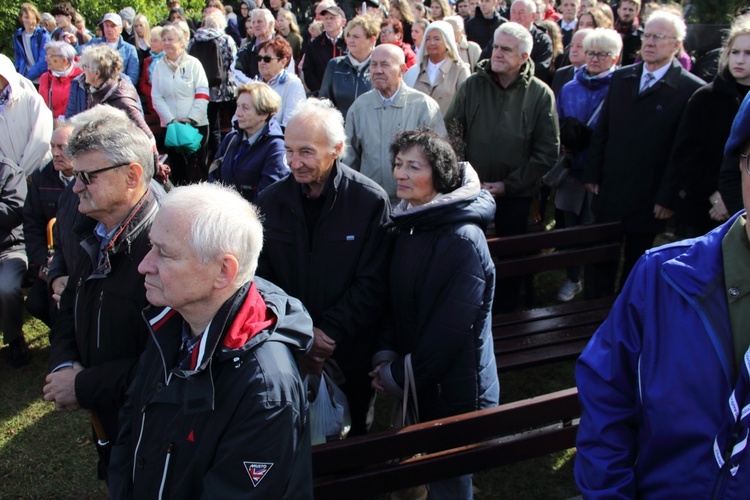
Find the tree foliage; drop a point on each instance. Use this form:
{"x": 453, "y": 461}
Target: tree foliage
{"x": 92, "y": 10}
{"x": 715, "y": 11}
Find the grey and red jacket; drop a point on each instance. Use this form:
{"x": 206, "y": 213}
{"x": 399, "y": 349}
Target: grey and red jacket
{"x": 228, "y": 421}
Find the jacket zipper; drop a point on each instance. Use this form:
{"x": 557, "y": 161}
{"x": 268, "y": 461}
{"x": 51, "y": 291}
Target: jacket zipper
{"x": 99, "y": 318}
{"x": 75, "y": 307}
{"x": 138, "y": 444}
{"x": 170, "y": 448}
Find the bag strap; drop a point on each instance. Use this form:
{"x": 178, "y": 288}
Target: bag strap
{"x": 595, "y": 115}
{"x": 410, "y": 391}
{"x": 217, "y": 165}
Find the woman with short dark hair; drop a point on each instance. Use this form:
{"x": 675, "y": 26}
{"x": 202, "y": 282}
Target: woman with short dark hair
{"x": 442, "y": 280}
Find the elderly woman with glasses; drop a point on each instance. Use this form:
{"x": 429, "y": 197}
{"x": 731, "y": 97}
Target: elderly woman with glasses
{"x": 273, "y": 58}
{"x": 251, "y": 157}
{"x": 392, "y": 31}
{"x": 439, "y": 69}
{"x": 102, "y": 83}
{"x": 578, "y": 110}
{"x": 54, "y": 84}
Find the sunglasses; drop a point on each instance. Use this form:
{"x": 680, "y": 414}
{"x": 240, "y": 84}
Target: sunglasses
{"x": 266, "y": 59}
{"x": 85, "y": 177}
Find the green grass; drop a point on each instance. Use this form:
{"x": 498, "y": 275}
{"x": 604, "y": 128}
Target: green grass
{"x": 43, "y": 453}
{"x": 48, "y": 454}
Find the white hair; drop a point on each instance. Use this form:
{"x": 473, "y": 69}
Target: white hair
{"x": 604, "y": 39}
{"x": 322, "y": 114}
{"x": 457, "y": 22}
{"x": 266, "y": 14}
{"x": 221, "y": 222}
{"x": 531, "y": 4}
{"x": 525, "y": 42}
{"x": 449, "y": 38}
{"x": 677, "y": 22}
{"x": 215, "y": 20}
{"x": 65, "y": 49}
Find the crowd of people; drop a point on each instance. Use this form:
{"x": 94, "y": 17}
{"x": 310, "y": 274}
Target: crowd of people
{"x": 242, "y": 202}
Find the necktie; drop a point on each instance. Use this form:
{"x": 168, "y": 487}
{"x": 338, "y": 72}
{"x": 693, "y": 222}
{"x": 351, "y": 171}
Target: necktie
{"x": 647, "y": 82}
{"x": 739, "y": 404}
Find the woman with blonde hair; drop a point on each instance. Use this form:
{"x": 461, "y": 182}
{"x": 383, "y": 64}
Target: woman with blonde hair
{"x": 251, "y": 157}
{"x": 700, "y": 139}
{"x": 28, "y": 44}
{"x": 347, "y": 77}
{"x": 469, "y": 52}
{"x": 440, "y": 9}
{"x": 142, "y": 37}
{"x": 439, "y": 70}
{"x": 418, "y": 29}
{"x": 180, "y": 94}
{"x": 286, "y": 26}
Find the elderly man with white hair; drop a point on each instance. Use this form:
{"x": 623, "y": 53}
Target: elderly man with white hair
{"x": 326, "y": 245}
{"x": 627, "y": 169}
{"x": 246, "y": 63}
{"x": 507, "y": 118}
{"x": 217, "y": 408}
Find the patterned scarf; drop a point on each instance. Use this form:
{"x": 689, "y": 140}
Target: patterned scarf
{"x": 155, "y": 57}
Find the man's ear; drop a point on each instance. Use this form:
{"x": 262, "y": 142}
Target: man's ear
{"x": 227, "y": 272}
{"x": 135, "y": 174}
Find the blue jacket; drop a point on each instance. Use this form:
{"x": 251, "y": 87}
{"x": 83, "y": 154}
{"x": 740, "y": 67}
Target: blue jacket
{"x": 257, "y": 167}
{"x": 442, "y": 280}
{"x": 130, "y": 65}
{"x": 39, "y": 39}
{"x": 342, "y": 83}
{"x": 578, "y": 99}
{"x": 655, "y": 381}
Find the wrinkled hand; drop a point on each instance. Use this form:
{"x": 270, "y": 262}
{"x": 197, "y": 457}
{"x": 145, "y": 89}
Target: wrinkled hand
{"x": 322, "y": 348}
{"x": 57, "y": 288}
{"x": 718, "y": 210}
{"x": 376, "y": 383}
{"x": 662, "y": 213}
{"x": 60, "y": 388}
{"x": 592, "y": 188}
{"x": 495, "y": 188}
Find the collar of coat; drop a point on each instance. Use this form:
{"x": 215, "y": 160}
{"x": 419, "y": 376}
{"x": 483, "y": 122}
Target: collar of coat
{"x": 671, "y": 78}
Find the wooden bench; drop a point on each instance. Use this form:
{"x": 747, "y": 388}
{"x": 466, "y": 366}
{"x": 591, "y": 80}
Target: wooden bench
{"x": 554, "y": 333}
{"x": 430, "y": 451}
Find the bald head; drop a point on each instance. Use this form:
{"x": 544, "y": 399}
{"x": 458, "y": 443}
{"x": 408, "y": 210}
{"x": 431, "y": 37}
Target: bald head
{"x": 388, "y": 50}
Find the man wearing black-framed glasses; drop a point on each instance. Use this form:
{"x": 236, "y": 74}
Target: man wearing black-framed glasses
{"x": 99, "y": 335}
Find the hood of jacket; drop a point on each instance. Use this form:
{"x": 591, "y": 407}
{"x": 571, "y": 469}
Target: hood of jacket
{"x": 524, "y": 77}
{"x": 205, "y": 34}
{"x": 240, "y": 325}
{"x": 583, "y": 77}
{"x": 18, "y": 84}
{"x": 468, "y": 203}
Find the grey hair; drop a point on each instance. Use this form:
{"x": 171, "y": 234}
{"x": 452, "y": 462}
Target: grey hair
{"x": 525, "y": 42}
{"x": 267, "y": 14}
{"x": 458, "y": 25}
{"x": 215, "y": 20}
{"x": 604, "y": 39}
{"x": 531, "y": 4}
{"x": 325, "y": 116}
{"x": 178, "y": 30}
{"x": 103, "y": 58}
{"x": 221, "y": 222}
{"x": 110, "y": 130}
{"x": 677, "y": 22}
{"x": 65, "y": 49}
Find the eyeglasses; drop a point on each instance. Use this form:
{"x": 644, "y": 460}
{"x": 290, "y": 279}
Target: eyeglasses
{"x": 85, "y": 177}
{"x": 386, "y": 32}
{"x": 598, "y": 55}
{"x": 656, "y": 36}
{"x": 744, "y": 163}
{"x": 266, "y": 59}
